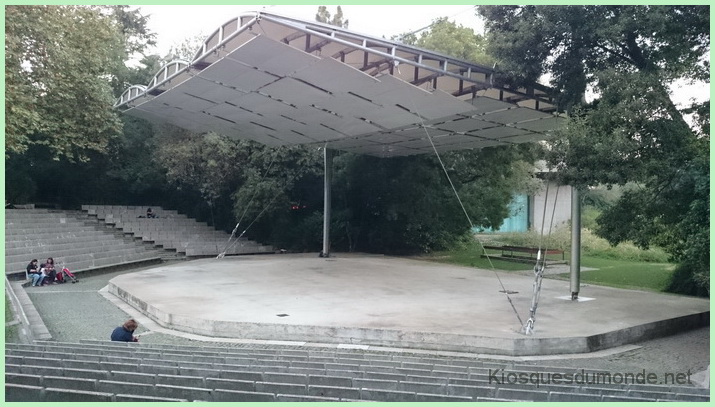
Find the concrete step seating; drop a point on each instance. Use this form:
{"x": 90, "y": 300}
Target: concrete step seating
{"x": 80, "y": 240}
{"x": 40, "y": 227}
{"x": 110, "y": 371}
{"x": 68, "y": 250}
{"x": 37, "y": 240}
{"x": 71, "y": 239}
{"x": 32, "y": 214}
{"x": 94, "y": 251}
{"x": 172, "y": 230}
{"x": 188, "y": 225}
{"x": 33, "y": 238}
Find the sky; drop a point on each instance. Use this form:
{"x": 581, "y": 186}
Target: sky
{"x": 173, "y": 24}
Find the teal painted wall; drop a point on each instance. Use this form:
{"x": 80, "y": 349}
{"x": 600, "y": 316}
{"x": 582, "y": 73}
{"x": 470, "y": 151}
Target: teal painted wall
{"x": 518, "y": 220}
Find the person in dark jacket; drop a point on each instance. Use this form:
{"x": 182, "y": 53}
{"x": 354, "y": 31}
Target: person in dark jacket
{"x": 34, "y": 273}
{"x": 125, "y": 333}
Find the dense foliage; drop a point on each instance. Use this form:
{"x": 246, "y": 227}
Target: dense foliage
{"x": 406, "y": 204}
{"x": 58, "y": 58}
{"x": 451, "y": 39}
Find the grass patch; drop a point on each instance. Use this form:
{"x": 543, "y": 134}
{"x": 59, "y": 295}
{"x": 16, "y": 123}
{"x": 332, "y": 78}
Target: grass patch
{"x": 625, "y": 274}
{"x": 11, "y": 332}
{"x": 620, "y": 267}
{"x": 9, "y": 315}
{"x": 472, "y": 257}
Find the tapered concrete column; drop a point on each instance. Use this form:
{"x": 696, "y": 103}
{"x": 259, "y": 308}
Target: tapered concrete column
{"x": 328, "y": 164}
{"x": 575, "y": 243}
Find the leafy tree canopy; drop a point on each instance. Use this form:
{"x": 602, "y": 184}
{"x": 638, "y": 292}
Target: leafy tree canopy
{"x": 574, "y": 44}
{"x": 447, "y": 37}
{"x": 324, "y": 16}
{"x": 625, "y": 58}
{"x": 210, "y": 163}
{"x": 60, "y": 65}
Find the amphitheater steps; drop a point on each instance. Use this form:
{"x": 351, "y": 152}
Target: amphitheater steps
{"x": 108, "y": 371}
{"x": 172, "y": 231}
{"x": 71, "y": 239}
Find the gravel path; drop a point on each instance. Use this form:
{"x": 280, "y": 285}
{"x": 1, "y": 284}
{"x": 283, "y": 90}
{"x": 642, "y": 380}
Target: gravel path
{"x": 78, "y": 311}
{"x": 682, "y": 353}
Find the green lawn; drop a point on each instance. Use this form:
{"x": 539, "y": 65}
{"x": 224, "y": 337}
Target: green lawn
{"x": 626, "y": 274}
{"x": 11, "y": 333}
{"x": 615, "y": 273}
{"x": 472, "y": 257}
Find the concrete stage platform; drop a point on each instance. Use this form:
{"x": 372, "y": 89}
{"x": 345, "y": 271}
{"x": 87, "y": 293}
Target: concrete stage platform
{"x": 396, "y": 302}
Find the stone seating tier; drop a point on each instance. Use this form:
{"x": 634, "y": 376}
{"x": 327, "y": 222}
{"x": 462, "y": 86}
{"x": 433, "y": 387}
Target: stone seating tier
{"x": 55, "y": 218}
{"x": 138, "y": 229}
{"x": 68, "y": 238}
{"x": 116, "y": 221}
{"x": 91, "y": 252}
{"x": 172, "y": 231}
{"x": 78, "y": 263}
{"x": 102, "y": 213}
{"x": 61, "y": 238}
{"x": 189, "y": 237}
{"x": 101, "y": 242}
{"x": 106, "y": 371}
{"x": 210, "y": 251}
{"x": 47, "y": 232}
{"x": 11, "y": 214}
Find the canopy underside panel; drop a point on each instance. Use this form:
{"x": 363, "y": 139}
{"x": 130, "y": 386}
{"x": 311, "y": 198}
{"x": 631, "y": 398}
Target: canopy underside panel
{"x": 256, "y": 83}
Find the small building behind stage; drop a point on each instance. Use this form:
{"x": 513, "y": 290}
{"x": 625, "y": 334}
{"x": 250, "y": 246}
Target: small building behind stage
{"x": 526, "y": 212}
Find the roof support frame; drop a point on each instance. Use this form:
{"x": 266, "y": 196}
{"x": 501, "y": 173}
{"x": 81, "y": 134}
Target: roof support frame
{"x": 421, "y": 53}
{"x": 464, "y": 75}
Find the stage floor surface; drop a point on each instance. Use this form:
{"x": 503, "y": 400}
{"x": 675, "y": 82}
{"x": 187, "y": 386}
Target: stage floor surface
{"x": 355, "y": 299}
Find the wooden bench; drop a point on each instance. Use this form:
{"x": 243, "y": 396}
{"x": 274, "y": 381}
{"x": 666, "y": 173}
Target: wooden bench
{"x": 513, "y": 253}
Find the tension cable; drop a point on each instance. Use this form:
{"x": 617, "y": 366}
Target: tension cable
{"x": 528, "y": 328}
{"x": 471, "y": 224}
{"x": 229, "y": 244}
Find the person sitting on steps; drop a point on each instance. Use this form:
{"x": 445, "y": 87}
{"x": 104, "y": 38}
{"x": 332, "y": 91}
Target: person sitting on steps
{"x": 150, "y": 213}
{"x": 34, "y": 273}
{"x": 48, "y": 270}
{"x": 125, "y": 333}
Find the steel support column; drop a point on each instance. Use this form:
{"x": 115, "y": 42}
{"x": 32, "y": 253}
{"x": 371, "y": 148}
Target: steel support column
{"x": 575, "y": 243}
{"x": 328, "y": 164}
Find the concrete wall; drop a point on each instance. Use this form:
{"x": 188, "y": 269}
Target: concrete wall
{"x": 557, "y": 195}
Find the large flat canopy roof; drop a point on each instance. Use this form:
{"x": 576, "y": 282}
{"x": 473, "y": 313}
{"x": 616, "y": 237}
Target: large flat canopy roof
{"x": 283, "y": 81}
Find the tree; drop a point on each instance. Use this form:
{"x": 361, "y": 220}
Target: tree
{"x": 281, "y": 195}
{"x": 451, "y": 39}
{"x": 136, "y": 38}
{"x": 57, "y": 59}
{"x": 574, "y": 44}
{"x": 323, "y": 16}
{"x": 121, "y": 165}
{"x": 186, "y": 49}
{"x": 209, "y": 163}
{"x": 625, "y": 58}
{"x": 405, "y": 204}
